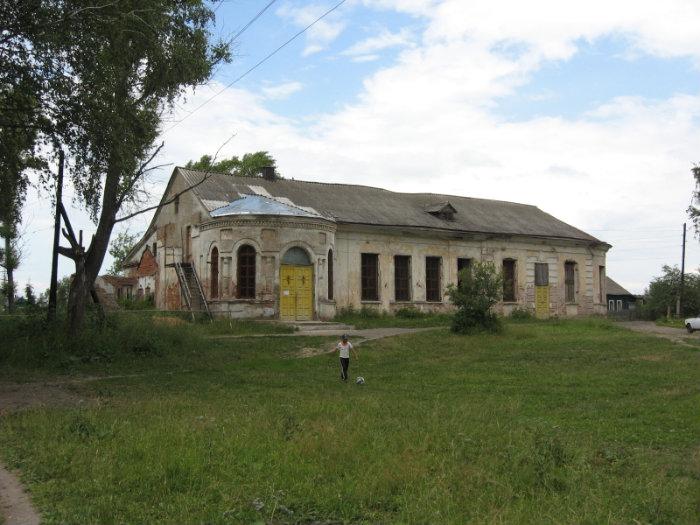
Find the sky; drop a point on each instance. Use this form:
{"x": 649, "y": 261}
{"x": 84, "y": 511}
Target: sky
{"x": 588, "y": 110}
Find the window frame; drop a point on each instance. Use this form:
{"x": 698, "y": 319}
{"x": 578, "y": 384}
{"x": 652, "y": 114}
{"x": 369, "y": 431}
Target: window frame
{"x": 246, "y": 270}
{"x": 405, "y": 279}
{"x": 433, "y": 283}
{"x": 537, "y": 274}
{"x": 510, "y": 283}
{"x": 462, "y": 263}
{"x": 369, "y": 277}
{"x": 330, "y": 275}
{"x": 570, "y": 295}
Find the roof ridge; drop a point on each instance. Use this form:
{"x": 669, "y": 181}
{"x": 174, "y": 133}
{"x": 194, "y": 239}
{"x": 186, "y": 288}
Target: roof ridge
{"x": 360, "y": 186}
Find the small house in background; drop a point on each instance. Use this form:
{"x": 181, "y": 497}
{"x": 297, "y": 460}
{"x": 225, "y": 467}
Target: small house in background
{"x": 619, "y": 299}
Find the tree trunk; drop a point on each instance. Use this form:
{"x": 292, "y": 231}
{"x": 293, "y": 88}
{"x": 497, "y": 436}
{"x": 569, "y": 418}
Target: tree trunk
{"x": 9, "y": 257}
{"x": 88, "y": 266}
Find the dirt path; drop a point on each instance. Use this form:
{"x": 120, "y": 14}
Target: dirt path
{"x": 15, "y": 506}
{"x": 677, "y": 335}
{"x": 368, "y": 334}
{"x": 359, "y": 337}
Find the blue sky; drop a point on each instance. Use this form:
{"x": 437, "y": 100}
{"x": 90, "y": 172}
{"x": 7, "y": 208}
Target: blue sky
{"x": 589, "y": 111}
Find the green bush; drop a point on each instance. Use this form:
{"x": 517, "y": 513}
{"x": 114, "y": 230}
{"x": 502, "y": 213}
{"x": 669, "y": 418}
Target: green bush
{"x": 479, "y": 290}
{"x": 409, "y": 313}
{"x": 33, "y": 342}
{"x": 521, "y": 314}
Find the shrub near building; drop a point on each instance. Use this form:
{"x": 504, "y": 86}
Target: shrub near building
{"x": 479, "y": 290}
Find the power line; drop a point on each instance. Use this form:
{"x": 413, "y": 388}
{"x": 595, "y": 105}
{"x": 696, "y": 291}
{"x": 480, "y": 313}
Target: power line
{"x": 258, "y": 64}
{"x": 252, "y": 20}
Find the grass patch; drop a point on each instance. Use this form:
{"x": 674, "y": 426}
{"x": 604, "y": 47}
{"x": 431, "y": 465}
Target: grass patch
{"x": 559, "y": 422}
{"x": 672, "y": 323}
{"x": 404, "y": 318}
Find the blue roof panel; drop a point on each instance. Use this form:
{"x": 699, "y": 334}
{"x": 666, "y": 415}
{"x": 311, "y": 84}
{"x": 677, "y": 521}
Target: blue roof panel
{"x": 259, "y": 205}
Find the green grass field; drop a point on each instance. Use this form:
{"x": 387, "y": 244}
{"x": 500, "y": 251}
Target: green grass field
{"x": 561, "y": 422}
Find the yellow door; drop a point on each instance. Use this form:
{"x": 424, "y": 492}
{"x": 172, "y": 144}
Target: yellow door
{"x": 296, "y": 293}
{"x": 542, "y": 301}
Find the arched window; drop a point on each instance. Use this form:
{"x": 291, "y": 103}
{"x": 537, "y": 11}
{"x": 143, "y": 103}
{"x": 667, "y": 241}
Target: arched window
{"x": 330, "y": 275}
{"x": 214, "y": 273}
{"x": 246, "y": 272}
{"x": 296, "y": 256}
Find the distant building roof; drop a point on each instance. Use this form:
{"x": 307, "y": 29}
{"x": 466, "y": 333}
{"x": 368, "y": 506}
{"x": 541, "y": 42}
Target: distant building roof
{"x": 612, "y": 288}
{"x": 353, "y": 204}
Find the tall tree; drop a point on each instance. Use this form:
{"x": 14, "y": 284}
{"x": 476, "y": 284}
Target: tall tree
{"x": 250, "y": 165}
{"x": 120, "y": 66}
{"x": 119, "y": 248}
{"x": 693, "y": 210}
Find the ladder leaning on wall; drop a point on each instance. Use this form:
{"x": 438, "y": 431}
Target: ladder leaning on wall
{"x": 191, "y": 289}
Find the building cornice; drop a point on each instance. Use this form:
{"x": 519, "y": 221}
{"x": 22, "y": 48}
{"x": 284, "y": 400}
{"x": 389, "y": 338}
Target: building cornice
{"x": 269, "y": 222}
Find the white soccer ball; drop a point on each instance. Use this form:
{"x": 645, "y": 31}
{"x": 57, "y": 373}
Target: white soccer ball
{"x": 360, "y": 380}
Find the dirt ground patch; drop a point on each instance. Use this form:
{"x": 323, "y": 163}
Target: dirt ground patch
{"x": 20, "y": 396}
{"x": 677, "y": 335}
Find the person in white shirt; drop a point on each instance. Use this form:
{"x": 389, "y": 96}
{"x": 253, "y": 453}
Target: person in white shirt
{"x": 344, "y": 348}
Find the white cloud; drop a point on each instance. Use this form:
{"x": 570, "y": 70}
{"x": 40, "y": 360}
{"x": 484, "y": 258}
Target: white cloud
{"x": 282, "y": 91}
{"x": 367, "y": 49}
{"x": 321, "y": 34}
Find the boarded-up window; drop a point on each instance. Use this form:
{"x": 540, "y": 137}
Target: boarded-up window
{"x": 541, "y": 274}
{"x": 570, "y": 281}
{"x": 402, "y": 277}
{"x": 601, "y": 284}
{"x": 462, "y": 264}
{"x": 509, "y": 280}
{"x": 246, "y": 272}
{"x": 370, "y": 277}
{"x": 330, "y": 275}
{"x": 432, "y": 279}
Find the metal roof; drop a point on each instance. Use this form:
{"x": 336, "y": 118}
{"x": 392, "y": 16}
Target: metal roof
{"x": 258, "y": 205}
{"x": 354, "y": 204}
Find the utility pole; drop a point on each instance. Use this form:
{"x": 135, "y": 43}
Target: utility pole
{"x": 56, "y": 237}
{"x": 680, "y": 293}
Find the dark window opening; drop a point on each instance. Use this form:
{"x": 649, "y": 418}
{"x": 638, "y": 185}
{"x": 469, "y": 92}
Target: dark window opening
{"x": 601, "y": 283}
{"x": 330, "y": 275}
{"x": 214, "y": 289}
{"x": 570, "y": 281}
{"x": 155, "y": 249}
{"x": 177, "y": 204}
{"x": 432, "y": 279}
{"x": 541, "y": 274}
{"x": 402, "y": 277}
{"x": 509, "y": 280}
{"x": 246, "y": 272}
{"x": 370, "y": 277}
{"x": 462, "y": 264}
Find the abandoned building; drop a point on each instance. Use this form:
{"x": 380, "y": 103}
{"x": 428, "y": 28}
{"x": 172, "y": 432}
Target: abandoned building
{"x": 295, "y": 250}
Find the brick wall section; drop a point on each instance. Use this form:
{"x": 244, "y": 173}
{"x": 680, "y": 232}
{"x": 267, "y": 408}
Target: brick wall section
{"x": 148, "y": 265}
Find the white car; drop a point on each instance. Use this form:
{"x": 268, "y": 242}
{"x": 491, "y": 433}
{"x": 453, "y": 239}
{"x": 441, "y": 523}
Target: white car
{"x": 692, "y": 324}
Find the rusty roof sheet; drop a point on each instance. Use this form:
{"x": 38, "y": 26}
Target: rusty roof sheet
{"x": 354, "y": 204}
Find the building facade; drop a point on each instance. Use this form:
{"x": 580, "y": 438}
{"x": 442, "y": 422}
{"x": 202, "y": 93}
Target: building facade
{"x": 294, "y": 250}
